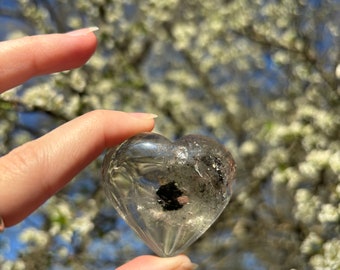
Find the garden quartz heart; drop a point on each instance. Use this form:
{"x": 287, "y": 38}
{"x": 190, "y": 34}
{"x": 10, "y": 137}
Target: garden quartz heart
{"x": 169, "y": 193}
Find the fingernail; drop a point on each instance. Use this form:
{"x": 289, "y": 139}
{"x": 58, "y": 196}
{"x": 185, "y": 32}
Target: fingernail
{"x": 141, "y": 115}
{"x": 189, "y": 266}
{"x": 2, "y": 225}
{"x": 83, "y": 31}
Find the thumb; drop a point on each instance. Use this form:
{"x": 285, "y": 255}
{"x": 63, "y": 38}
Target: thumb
{"x": 148, "y": 262}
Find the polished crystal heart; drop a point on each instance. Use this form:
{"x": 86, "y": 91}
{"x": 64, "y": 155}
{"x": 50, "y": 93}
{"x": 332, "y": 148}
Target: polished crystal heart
{"x": 168, "y": 192}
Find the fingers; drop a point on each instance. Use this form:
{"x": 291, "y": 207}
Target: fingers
{"x": 180, "y": 262}
{"x": 33, "y": 172}
{"x": 26, "y": 57}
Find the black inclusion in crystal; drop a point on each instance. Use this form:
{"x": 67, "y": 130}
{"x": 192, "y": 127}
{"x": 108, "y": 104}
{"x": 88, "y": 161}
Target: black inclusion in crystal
{"x": 168, "y": 195}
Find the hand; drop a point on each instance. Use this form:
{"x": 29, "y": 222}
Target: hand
{"x": 33, "y": 172}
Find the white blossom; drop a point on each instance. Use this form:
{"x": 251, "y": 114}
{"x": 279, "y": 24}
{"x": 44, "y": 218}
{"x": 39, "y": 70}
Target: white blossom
{"x": 329, "y": 259}
{"x": 312, "y": 244}
{"x": 329, "y": 213}
{"x": 307, "y": 206}
{"x": 34, "y": 237}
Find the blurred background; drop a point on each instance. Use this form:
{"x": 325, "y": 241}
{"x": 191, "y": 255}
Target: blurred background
{"x": 261, "y": 76}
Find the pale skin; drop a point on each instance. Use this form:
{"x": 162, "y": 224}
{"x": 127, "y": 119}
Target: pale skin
{"x": 22, "y": 187}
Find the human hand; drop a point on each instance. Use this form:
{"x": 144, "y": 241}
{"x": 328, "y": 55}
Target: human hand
{"x": 33, "y": 172}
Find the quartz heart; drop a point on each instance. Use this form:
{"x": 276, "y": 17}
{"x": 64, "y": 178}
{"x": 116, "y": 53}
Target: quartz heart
{"x": 168, "y": 192}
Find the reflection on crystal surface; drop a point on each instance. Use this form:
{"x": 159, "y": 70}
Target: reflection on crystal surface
{"x": 169, "y": 193}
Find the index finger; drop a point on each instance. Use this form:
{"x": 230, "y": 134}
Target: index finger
{"x": 30, "y": 56}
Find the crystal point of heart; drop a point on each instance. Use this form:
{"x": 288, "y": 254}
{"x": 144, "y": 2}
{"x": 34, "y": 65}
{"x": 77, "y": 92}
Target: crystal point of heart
{"x": 169, "y": 193}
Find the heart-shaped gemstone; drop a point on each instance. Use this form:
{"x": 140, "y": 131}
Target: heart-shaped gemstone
{"x": 169, "y": 193}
